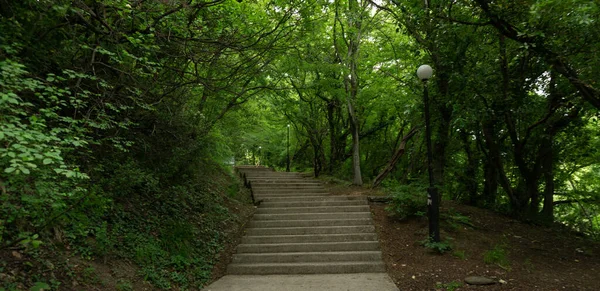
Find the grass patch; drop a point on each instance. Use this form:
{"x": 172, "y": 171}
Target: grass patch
{"x": 498, "y": 256}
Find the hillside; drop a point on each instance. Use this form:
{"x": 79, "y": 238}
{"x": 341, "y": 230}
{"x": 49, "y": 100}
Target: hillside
{"x": 483, "y": 243}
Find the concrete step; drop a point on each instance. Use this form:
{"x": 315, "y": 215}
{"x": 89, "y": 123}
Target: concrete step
{"x": 308, "y": 238}
{"x": 309, "y": 247}
{"x": 310, "y": 223}
{"x": 306, "y": 268}
{"x": 313, "y": 197}
{"x": 313, "y": 216}
{"x": 313, "y": 209}
{"x": 289, "y": 190}
{"x": 268, "y": 174}
{"x": 313, "y": 203}
{"x": 295, "y": 198}
{"x": 254, "y": 170}
{"x": 310, "y": 230}
{"x": 287, "y": 184}
{"x": 283, "y": 179}
{"x": 277, "y": 178}
{"x": 291, "y": 193}
{"x": 303, "y": 257}
{"x": 292, "y": 198}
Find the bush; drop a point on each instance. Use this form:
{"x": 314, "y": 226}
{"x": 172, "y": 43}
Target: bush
{"x": 439, "y": 247}
{"x": 406, "y": 200}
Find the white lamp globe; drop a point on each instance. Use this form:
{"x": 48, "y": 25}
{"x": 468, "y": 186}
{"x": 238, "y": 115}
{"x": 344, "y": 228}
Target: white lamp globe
{"x": 424, "y": 72}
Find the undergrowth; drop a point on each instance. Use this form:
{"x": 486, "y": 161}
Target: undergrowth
{"x": 406, "y": 200}
{"x": 172, "y": 235}
{"x": 498, "y": 256}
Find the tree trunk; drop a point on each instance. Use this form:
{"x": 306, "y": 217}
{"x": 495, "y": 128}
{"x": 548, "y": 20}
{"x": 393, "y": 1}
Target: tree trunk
{"x": 495, "y": 159}
{"x": 547, "y": 214}
{"x": 332, "y": 136}
{"x": 490, "y": 186}
{"x": 357, "y": 179}
{"x": 352, "y": 85}
{"x": 399, "y": 152}
{"x": 470, "y": 174}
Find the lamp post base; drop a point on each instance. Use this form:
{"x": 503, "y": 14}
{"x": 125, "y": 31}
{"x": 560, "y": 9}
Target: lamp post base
{"x": 433, "y": 213}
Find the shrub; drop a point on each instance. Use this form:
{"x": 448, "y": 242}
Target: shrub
{"x": 406, "y": 200}
{"x": 439, "y": 247}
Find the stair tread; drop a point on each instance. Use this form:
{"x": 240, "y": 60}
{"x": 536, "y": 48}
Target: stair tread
{"x": 308, "y": 227}
{"x": 310, "y": 263}
{"x": 308, "y": 253}
{"x": 311, "y": 243}
{"x": 312, "y": 235}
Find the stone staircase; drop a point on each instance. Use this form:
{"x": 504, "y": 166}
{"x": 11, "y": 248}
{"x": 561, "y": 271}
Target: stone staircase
{"x": 299, "y": 228}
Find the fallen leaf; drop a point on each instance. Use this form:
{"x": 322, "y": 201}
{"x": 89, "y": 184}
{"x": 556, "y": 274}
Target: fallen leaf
{"x": 17, "y": 255}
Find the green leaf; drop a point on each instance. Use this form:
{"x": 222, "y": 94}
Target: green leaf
{"x": 9, "y": 170}
{"x": 47, "y": 161}
{"x": 25, "y": 171}
{"x": 40, "y": 286}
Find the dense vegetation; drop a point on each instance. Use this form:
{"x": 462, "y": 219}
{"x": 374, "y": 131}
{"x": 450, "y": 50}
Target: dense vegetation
{"x": 117, "y": 117}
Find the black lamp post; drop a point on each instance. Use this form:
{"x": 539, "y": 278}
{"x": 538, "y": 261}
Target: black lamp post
{"x": 287, "y": 168}
{"x": 433, "y": 200}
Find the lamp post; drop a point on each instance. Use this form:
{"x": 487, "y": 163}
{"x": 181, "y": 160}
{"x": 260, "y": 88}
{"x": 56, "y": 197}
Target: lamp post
{"x": 259, "y": 155}
{"x": 287, "y": 168}
{"x": 425, "y": 72}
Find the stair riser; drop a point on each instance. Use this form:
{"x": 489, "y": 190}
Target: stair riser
{"x": 313, "y": 216}
{"x": 308, "y": 238}
{"x": 304, "y": 269}
{"x": 311, "y": 247}
{"x": 306, "y": 257}
{"x": 267, "y": 174}
{"x": 312, "y": 198}
{"x": 282, "y": 181}
{"x": 312, "y": 204}
{"x": 286, "y": 184}
{"x": 289, "y": 196}
{"x": 284, "y": 191}
{"x": 309, "y": 223}
{"x": 310, "y": 230}
{"x": 326, "y": 209}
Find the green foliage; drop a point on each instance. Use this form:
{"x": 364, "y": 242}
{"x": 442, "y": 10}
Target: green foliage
{"x": 449, "y": 286}
{"x": 40, "y": 286}
{"x": 34, "y": 142}
{"x": 455, "y": 219}
{"x": 113, "y": 125}
{"x": 438, "y": 247}
{"x": 498, "y": 256}
{"x": 528, "y": 265}
{"x": 124, "y": 285}
{"x": 460, "y": 254}
{"x": 109, "y": 142}
{"x": 407, "y": 200}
